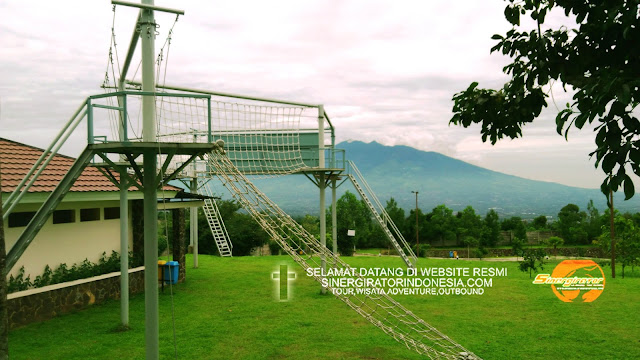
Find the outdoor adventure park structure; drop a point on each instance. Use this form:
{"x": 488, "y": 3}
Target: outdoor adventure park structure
{"x": 150, "y": 133}
{"x": 85, "y": 225}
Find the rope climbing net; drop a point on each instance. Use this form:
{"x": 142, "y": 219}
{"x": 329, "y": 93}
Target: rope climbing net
{"x": 263, "y": 137}
{"x": 375, "y": 306}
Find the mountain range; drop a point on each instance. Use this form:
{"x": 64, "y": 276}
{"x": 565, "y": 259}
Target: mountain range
{"x": 395, "y": 171}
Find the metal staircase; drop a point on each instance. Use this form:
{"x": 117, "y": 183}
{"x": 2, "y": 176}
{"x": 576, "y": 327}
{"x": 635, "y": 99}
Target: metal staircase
{"x": 218, "y": 230}
{"x": 383, "y": 218}
{"x": 371, "y": 303}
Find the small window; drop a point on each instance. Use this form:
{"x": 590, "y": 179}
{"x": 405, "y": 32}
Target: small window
{"x": 111, "y": 213}
{"x": 19, "y": 219}
{"x": 64, "y": 216}
{"x": 90, "y": 214}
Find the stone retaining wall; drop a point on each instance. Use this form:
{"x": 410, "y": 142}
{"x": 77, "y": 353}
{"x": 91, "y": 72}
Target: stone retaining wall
{"x": 569, "y": 252}
{"x": 34, "y": 305}
{"x": 533, "y": 237}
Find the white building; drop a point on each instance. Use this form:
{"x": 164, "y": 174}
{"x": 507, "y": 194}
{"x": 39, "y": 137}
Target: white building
{"x": 85, "y": 225}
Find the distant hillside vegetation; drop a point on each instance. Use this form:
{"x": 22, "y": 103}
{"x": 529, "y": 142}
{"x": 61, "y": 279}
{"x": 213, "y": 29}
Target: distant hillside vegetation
{"x": 394, "y": 171}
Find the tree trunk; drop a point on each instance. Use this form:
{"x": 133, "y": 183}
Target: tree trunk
{"x": 4, "y": 321}
{"x": 613, "y": 234}
{"x": 137, "y": 223}
{"x": 178, "y": 241}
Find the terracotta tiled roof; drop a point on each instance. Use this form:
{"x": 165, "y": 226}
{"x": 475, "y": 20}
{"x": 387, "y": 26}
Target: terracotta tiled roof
{"x": 16, "y": 159}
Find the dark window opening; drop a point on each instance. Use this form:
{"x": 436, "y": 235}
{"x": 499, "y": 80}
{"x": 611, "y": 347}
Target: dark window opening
{"x": 64, "y": 216}
{"x": 19, "y": 219}
{"x": 111, "y": 213}
{"x": 90, "y": 214}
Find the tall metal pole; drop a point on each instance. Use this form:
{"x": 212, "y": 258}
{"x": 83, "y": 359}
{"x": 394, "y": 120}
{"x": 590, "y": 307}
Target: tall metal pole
{"x": 334, "y": 218}
{"x": 417, "y": 230}
{"x": 194, "y": 224}
{"x": 147, "y": 34}
{"x": 151, "y": 328}
{"x": 322, "y": 186}
{"x": 124, "y": 209}
{"x": 321, "y": 162}
{"x": 151, "y": 324}
{"x": 124, "y": 250}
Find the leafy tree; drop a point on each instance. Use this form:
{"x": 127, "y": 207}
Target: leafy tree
{"x": 598, "y": 58}
{"x": 533, "y": 260}
{"x": 593, "y": 222}
{"x": 423, "y": 249}
{"x": 424, "y": 230}
{"x": 396, "y": 214}
{"x": 165, "y": 223}
{"x": 469, "y": 224}
{"x": 351, "y": 216}
{"x": 311, "y": 224}
{"x": 244, "y": 232}
{"x": 480, "y": 252}
{"x": 516, "y": 226}
{"x": 442, "y": 224}
{"x": 540, "y": 222}
{"x": 571, "y": 223}
{"x": 627, "y": 241}
{"x": 490, "y": 228}
{"x": 375, "y": 238}
{"x": 555, "y": 241}
{"x": 517, "y": 245}
{"x": 470, "y": 242}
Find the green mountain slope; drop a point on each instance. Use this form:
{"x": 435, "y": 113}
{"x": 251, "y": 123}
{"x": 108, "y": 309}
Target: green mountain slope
{"x": 394, "y": 171}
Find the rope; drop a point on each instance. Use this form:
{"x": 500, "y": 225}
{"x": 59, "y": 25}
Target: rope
{"x": 160, "y": 58}
{"x": 375, "y": 306}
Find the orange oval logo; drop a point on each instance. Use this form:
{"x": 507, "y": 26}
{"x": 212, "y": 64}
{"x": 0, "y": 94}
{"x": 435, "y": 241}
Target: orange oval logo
{"x": 574, "y": 280}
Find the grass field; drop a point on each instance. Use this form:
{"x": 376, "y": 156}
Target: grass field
{"x": 226, "y": 310}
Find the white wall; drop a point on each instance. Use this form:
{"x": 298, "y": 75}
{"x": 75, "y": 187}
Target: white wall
{"x": 67, "y": 243}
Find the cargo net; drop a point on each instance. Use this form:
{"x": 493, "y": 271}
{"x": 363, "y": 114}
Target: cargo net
{"x": 378, "y": 308}
{"x": 261, "y": 139}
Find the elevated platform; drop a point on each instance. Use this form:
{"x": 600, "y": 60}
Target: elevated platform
{"x": 133, "y": 150}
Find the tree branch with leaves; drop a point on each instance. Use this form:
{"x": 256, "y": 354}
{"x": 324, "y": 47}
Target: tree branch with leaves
{"x": 599, "y": 59}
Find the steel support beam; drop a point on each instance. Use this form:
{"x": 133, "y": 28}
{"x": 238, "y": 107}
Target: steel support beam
{"x": 193, "y": 231}
{"x": 124, "y": 249}
{"x": 323, "y": 225}
{"x": 147, "y": 26}
{"x": 334, "y": 217}
{"x": 151, "y": 324}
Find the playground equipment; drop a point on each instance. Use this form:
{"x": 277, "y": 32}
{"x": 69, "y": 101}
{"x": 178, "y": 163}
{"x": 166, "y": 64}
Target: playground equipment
{"x": 216, "y": 224}
{"x": 238, "y": 136}
{"x": 381, "y": 216}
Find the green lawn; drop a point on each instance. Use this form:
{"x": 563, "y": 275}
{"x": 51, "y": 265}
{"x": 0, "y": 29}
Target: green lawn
{"x": 226, "y": 310}
{"x": 372, "y": 251}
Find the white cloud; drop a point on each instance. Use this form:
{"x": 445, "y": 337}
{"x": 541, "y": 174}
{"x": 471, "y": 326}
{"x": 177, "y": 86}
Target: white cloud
{"x": 386, "y": 71}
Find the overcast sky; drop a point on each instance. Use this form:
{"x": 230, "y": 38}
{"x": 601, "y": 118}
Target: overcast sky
{"x": 385, "y": 70}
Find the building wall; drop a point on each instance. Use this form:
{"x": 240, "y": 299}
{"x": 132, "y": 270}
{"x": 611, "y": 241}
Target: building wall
{"x": 70, "y": 242}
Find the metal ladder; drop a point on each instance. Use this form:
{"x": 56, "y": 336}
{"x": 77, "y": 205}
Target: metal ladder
{"x": 218, "y": 230}
{"x": 372, "y": 304}
{"x": 398, "y": 241}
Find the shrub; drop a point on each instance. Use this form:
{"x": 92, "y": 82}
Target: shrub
{"x": 62, "y": 273}
{"x": 274, "y": 248}
{"x": 19, "y": 283}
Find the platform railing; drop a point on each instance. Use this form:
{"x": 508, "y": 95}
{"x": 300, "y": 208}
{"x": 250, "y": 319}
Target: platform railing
{"x": 87, "y": 110}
